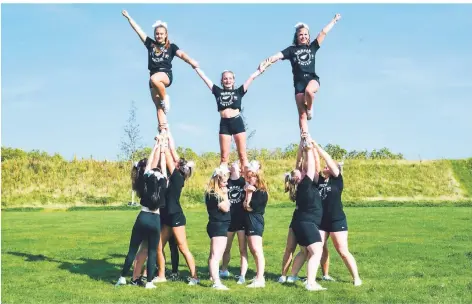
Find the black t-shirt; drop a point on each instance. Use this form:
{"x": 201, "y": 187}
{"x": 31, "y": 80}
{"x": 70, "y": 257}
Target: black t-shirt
{"x": 330, "y": 192}
{"x": 176, "y": 182}
{"x": 236, "y": 195}
{"x": 302, "y": 58}
{"x": 258, "y": 202}
{"x": 214, "y": 213}
{"x": 228, "y": 98}
{"x": 159, "y": 58}
{"x": 308, "y": 201}
{"x": 161, "y": 196}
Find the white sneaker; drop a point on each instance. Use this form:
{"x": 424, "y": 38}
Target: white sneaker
{"x": 149, "y": 285}
{"x": 159, "y": 280}
{"x": 309, "y": 114}
{"x": 357, "y": 282}
{"x": 314, "y": 287}
{"x": 257, "y": 284}
{"x": 219, "y": 286}
{"x": 192, "y": 281}
{"x": 241, "y": 280}
{"x": 292, "y": 279}
{"x": 165, "y": 104}
{"x": 121, "y": 281}
{"x": 328, "y": 278}
{"x": 282, "y": 279}
{"x": 224, "y": 274}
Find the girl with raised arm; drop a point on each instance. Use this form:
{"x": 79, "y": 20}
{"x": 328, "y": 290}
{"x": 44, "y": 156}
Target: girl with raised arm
{"x": 308, "y": 213}
{"x": 174, "y": 220}
{"x": 302, "y": 58}
{"x": 151, "y": 186}
{"x": 228, "y": 101}
{"x": 161, "y": 52}
{"x": 334, "y": 222}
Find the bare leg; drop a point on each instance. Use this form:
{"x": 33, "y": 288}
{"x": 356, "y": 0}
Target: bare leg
{"x": 341, "y": 245}
{"x": 302, "y": 118}
{"x": 225, "y": 146}
{"x": 240, "y": 140}
{"x": 289, "y": 249}
{"x": 181, "y": 238}
{"x": 255, "y": 245}
{"x": 217, "y": 247}
{"x": 227, "y": 253}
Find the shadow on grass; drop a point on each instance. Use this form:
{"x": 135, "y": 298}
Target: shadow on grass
{"x": 99, "y": 270}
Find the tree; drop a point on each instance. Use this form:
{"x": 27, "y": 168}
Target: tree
{"x": 335, "y": 151}
{"x": 131, "y": 140}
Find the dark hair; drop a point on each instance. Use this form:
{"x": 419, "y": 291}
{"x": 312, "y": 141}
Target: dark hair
{"x": 137, "y": 177}
{"x": 290, "y": 186}
{"x": 184, "y": 169}
{"x": 154, "y": 192}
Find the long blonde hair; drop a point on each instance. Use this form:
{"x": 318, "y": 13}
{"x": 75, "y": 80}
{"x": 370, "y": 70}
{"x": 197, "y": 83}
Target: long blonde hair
{"x": 213, "y": 186}
{"x": 261, "y": 183}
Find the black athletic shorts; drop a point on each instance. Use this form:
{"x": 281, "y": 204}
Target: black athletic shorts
{"x": 334, "y": 226}
{"x": 217, "y": 229}
{"x": 236, "y": 225}
{"x": 306, "y": 233}
{"x": 254, "y": 224}
{"x": 168, "y": 73}
{"x": 300, "y": 83}
{"x": 232, "y": 126}
{"x": 174, "y": 220}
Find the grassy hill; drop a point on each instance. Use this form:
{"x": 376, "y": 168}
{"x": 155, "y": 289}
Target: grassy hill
{"x": 53, "y": 181}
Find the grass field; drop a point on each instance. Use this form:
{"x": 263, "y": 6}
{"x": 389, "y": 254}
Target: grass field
{"x": 405, "y": 255}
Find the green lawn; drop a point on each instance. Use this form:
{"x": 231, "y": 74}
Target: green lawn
{"x": 404, "y": 254}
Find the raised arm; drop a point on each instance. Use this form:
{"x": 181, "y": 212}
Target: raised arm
{"x": 252, "y": 77}
{"x": 329, "y": 161}
{"x": 171, "y": 154}
{"x": 172, "y": 150}
{"x": 321, "y": 36}
{"x": 317, "y": 163}
{"x": 310, "y": 161}
{"x": 272, "y": 59}
{"x": 182, "y": 55}
{"x": 163, "y": 158}
{"x": 135, "y": 26}
{"x": 298, "y": 164}
{"x": 153, "y": 156}
{"x": 207, "y": 80}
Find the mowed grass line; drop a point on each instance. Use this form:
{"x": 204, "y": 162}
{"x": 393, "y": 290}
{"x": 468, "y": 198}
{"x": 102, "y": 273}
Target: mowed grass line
{"x": 404, "y": 254}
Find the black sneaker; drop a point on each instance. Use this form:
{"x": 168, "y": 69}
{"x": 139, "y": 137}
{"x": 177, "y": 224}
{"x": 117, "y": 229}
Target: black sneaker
{"x": 138, "y": 282}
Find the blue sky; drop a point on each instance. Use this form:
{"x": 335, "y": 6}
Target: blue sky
{"x": 395, "y": 76}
